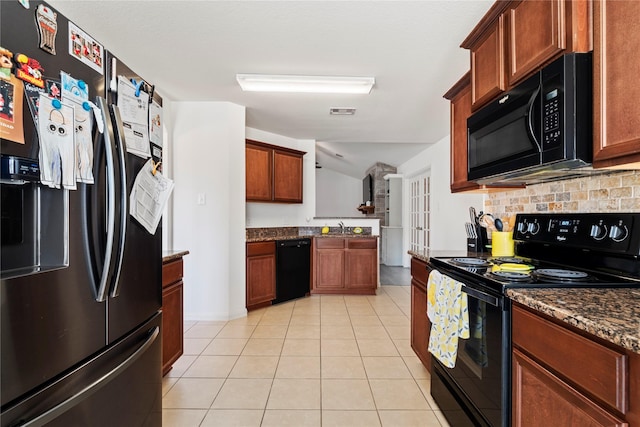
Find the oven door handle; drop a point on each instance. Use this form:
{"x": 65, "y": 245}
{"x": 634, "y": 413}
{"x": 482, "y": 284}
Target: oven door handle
{"x": 481, "y": 296}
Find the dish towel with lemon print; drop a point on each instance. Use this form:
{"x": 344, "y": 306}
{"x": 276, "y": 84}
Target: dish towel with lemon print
{"x": 449, "y": 315}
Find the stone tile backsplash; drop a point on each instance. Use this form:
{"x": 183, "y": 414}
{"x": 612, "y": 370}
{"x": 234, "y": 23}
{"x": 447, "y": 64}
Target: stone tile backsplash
{"x": 609, "y": 192}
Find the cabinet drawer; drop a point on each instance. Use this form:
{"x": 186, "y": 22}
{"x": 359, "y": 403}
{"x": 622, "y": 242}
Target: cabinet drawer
{"x": 329, "y": 243}
{"x": 419, "y": 270}
{"x": 598, "y": 370}
{"x": 261, "y": 248}
{"x": 171, "y": 272}
{"x": 359, "y": 243}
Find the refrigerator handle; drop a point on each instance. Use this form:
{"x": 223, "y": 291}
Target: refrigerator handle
{"x": 110, "y": 188}
{"x": 123, "y": 210}
{"x": 86, "y": 392}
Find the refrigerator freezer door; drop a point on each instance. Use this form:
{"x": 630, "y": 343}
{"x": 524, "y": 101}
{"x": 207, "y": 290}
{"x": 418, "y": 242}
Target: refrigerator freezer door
{"x": 92, "y": 394}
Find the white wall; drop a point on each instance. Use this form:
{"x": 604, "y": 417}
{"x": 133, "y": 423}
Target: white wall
{"x": 209, "y": 159}
{"x": 284, "y": 214}
{"x": 337, "y": 194}
{"x": 449, "y": 211}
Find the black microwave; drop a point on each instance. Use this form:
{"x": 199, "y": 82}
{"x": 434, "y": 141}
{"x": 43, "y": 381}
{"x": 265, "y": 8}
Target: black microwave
{"x": 539, "y": 131}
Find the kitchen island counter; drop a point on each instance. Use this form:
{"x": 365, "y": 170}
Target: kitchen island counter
{"x": 268, "y": 234}
{"x": 172, "y": 255}
{"x": 610, "y": 314}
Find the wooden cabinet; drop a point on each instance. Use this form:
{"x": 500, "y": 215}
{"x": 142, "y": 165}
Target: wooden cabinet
{"x": 420, "y": 324}
{"x": 616, "y": 63}
{"x": 487, "y": 65}
{"x": 172, "y": 313}
{"x": 259, "y": 170}
{"x": 564, "y": 376}
{"x": 345, "y": 266}
{"x": 460, "y": 97}
{"x": 261, "y": 274}
{"x": 517, "y": 38}
{"x": 273, "y": 174}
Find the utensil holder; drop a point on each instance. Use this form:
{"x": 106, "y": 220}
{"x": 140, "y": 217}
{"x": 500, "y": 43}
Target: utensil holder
{"x": 502, "y": 243}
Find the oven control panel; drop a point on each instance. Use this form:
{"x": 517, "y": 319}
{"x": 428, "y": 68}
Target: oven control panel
{"x": 609, "y": 232}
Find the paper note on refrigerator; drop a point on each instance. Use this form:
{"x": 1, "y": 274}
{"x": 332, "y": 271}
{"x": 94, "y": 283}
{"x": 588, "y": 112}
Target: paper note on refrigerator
{"x": 134, "y": 111}
{"x": 149, "y": 196}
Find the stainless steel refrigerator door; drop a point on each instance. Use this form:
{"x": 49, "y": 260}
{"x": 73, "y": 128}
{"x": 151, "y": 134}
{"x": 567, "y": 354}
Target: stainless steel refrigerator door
{"x": 138, "y": 293}
{"x": 49, "y": 321}
{"x": 120, "y": 386}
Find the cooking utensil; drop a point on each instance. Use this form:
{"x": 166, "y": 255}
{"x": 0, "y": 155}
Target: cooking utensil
{"x": 498, "y": 223}
{"x": 473, "y": 215}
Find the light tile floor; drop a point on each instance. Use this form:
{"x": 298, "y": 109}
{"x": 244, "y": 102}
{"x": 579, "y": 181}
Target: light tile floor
{"x": 319, "y": 361}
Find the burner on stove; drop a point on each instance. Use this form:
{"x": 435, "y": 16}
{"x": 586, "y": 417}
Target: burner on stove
{"x": 471, "y": 262}
{"x": 562, "y": 275}
{"x": 511, "y": 276}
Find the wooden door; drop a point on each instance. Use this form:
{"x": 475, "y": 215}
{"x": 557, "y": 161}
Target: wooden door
{"x": 616, "y": 63}
{"x": 540, "y": 398}
{"x": 536, "y": 33}
{"x": 361, "y": 268}
{"x": 258, "y": 173}
{"x": 487, "y": 65}
{"x": 172, "y": 325}
{"x": 287, "y": 177}
{"x": 420, "y": 325}
{"x": 261, "y": 273}
{"x": 329, "y": 266}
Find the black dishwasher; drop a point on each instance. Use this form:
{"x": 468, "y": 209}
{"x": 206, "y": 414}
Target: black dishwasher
{"x": 293, "y": 269}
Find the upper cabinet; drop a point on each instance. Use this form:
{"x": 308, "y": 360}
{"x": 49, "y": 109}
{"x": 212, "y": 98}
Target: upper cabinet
{"x": 273, "y": 174}
{"x": 516, "y": 38}
{"x": 460, "y": 97}
{"x": 616, "y": 134}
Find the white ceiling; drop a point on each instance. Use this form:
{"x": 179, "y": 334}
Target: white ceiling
{"x": 192, "y": 50}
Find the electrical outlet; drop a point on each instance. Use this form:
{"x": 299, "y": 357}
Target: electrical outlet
{"x": 202, "y": 199}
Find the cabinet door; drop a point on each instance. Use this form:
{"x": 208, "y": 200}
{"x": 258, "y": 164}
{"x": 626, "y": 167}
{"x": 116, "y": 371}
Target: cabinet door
{"x": 361, "y": 269}
{"x": 616, "y": 62}
{"x": 540, "y": 398}
{"x": 460, "y": 112}
{"x": 536, "y": 34}
{"x": 261, "y": 279}
{"x": 420, "y": 325}
{"x": 487, "y": 65}
{"x": 258, "y": 173}
{"x": 329, "y": 268}
{"x": 172, "y": 325}
{"x": 287, "y": 177}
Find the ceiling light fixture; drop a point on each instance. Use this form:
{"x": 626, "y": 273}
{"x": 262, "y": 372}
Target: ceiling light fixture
{"x": 305, "y": 84}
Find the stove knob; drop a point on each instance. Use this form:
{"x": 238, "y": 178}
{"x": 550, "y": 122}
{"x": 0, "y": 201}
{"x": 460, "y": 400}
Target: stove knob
{"x": 618, "y": 234}
{"x": 533, "y": 228}
{"x": 598, "y": 232}
{"x": 522, "y": 227}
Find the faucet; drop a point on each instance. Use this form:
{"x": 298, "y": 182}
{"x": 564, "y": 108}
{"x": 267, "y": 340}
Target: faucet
{"x": 341, "y": 225}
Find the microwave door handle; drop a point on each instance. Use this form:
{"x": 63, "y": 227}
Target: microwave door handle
{"x": 532, "y": 134}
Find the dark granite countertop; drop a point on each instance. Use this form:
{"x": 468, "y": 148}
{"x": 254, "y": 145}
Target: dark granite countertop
{"x": 611, "y": 314}
{"x": 268, "y": 234}
{"x": 172, "y": 255}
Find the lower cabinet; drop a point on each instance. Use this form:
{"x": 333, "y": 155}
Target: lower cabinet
{"x": 562, "y": 376}
{"x": 345, "y": 265}
{"x": 420, "y": 324}
{"x": 172, "y": 313}
{"x": 261, "y": 274}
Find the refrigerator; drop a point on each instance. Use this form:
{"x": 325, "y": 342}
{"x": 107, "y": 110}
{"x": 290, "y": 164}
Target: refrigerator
{"x": 80, "y": 294}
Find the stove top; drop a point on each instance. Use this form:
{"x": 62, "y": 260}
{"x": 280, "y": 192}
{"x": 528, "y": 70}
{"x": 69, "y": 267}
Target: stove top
{"x": 559, "y": 250}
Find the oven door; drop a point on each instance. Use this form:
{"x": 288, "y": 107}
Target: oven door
{"x": 476, "y": 391}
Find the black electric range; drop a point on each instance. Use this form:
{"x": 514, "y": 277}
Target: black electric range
{"x": 551, "y": 250}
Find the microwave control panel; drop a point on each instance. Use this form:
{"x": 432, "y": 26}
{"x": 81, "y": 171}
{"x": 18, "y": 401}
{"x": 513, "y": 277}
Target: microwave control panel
{"x": 551, "y": 118}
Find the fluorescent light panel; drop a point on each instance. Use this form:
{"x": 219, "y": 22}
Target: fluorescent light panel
{"x": 305, "y": 84}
